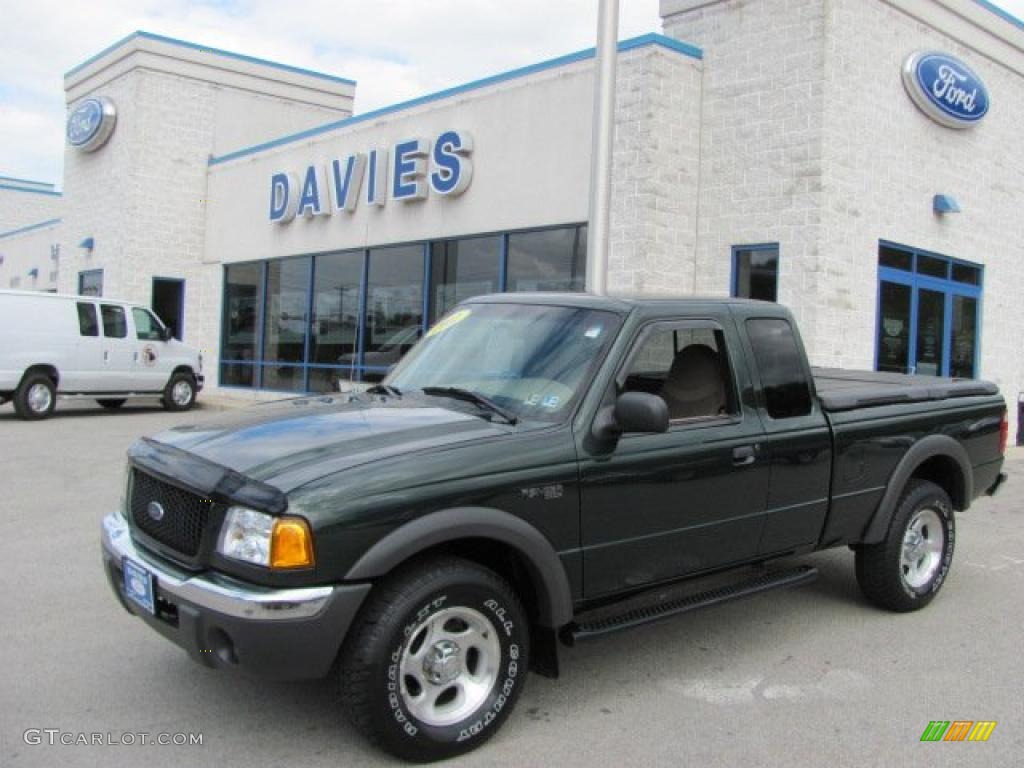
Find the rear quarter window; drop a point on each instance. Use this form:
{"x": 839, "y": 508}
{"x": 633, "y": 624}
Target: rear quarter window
{"x": 781, "y": 366}
{"x": 88, "y": 324}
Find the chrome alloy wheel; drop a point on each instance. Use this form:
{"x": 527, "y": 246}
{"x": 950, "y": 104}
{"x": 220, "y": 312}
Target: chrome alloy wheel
{"x": 181, "y": 393}
{"x": 923, "y": 545}
{"x": 39, "y": 398}
{"x": 449, "y": 666}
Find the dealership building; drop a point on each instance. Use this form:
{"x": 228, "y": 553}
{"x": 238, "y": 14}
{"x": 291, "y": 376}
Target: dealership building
{"x": 856, "y": 160}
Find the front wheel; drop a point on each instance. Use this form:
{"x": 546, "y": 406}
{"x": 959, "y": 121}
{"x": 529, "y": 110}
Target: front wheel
{"x": 905, "y": 570}
{"x": 436, "y": 659}
{"x": 180, "y": 392}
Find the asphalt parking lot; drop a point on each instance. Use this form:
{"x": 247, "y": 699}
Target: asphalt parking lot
{"x": 811, "y": 676}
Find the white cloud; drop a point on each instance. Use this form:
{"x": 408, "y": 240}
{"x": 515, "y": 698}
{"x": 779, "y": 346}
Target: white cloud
{"x": 396, "y": 49}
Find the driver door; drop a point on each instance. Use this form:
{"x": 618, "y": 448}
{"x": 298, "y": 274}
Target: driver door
{"x": 660, "y": 506}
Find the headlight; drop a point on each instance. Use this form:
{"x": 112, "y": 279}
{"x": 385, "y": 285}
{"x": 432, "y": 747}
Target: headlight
{"x": 261, "y": 539}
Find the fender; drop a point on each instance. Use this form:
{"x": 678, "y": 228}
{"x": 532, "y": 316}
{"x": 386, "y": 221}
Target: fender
{"x": 926, "y": 448}
{"x": 545, "y": 569}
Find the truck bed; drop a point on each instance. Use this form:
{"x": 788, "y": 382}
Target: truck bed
{"x": 843, "y": 390}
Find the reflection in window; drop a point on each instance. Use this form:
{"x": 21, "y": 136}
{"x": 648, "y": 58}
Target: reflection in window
{"x": 285, "y": 322}
{"x": 756, "y": 272}
{"x": 965, "y": 336}
{"x": 88, "y": 325}
{"x": 461, "y": 269}
{"x": 547, "y": 260}
{"x": 894, "y": 327}
{"x": 394, "y": 307}
{"x": 335, "y": 333}
{"x": 240, "y": 322}
{"x": 90, "y": 283}
{"x": 115, "y": 323}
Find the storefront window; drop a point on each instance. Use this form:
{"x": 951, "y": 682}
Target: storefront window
{"x": 334, "y": 338}
{"x": 547, "y": 259}
{"x": 285, "y": 324}
{"x": 461, "y": 269}
{"x": 239, "y": 325}
{"x": 756, "y": 272}
{"x": 928, "y": 313}
{"x": 394, "y": 307}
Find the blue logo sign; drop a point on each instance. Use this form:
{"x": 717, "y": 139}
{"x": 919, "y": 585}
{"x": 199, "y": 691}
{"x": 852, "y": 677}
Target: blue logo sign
{"x": 945, "y": 89}
{"x": 91, "y": 123}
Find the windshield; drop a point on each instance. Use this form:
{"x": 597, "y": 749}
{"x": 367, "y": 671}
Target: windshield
{"x": 532, "y": 360}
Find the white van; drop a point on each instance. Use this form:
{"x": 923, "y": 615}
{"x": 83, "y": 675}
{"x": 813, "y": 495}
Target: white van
{"x": 53, "y": 345}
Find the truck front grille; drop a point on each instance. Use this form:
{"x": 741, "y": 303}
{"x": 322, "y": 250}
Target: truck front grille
{"x": 174, "y": 517}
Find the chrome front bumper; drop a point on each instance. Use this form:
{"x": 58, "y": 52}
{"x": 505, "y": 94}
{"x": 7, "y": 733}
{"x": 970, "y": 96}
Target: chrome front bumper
{"x": 278, "y": 633}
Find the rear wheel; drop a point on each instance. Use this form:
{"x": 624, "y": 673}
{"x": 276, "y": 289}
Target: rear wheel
{"x": 436, "y": 660}
{"x": 180, "y": 392}
{"x": 905, "y": 571}
{"x": 36, "y": 397}
{"x": 112, "y": 404}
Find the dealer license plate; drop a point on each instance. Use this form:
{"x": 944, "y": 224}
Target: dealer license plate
{"x": 138, "y": 585}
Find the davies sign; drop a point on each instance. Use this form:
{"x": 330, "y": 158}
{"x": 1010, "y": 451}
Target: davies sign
{"x": 945, "y": 89}
{"x": 444, "y": 166}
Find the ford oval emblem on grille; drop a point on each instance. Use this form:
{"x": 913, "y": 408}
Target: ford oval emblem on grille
{"x": 155, "y": 510}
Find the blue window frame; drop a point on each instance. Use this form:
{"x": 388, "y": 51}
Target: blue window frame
{"x": 929, "y": 313}
{"x": 289, "y": 324}
{"x": 755, "y": 271}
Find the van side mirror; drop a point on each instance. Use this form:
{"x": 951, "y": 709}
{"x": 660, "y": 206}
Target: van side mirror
{"x": 632, "y": 412}
{"x": 166, "y": 334}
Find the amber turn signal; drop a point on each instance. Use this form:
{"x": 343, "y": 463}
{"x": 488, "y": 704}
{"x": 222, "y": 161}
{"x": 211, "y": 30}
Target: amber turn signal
{"x": 291, "y": 544}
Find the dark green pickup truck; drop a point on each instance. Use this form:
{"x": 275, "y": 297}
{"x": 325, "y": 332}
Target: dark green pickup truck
{"x": 539, "y": 469}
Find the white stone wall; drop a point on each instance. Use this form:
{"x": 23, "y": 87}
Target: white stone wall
{"x": 20, "y": 207}
{"x": 883, "y": 162}
{"x": 655, "y": 172}
{"x": 28, "y": 250}
{"x": 761, "y": 140}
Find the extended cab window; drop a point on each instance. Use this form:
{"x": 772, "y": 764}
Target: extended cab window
{"x": 688, "y": 367}
{"x": 88, "y": 324}
{"x": 146, "y": 326}
{"x": 115, "y": 324}
{"x": 783, "y": 377}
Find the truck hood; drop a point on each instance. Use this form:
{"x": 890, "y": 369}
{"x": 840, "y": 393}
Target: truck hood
{"x": 292, "y": 442}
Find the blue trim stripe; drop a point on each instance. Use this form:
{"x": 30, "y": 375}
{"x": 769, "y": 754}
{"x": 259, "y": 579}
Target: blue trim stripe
{"x": 13, "y": 180}
{"x": 30, "y": 227}
{"x": 571, "y": 58}
{"x": 1001, "y": 12}
{"x": 207, "y": 49}
{"x": 33, "y": 190}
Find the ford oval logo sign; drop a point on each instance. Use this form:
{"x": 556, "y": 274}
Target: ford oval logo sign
{"x": 91, "y": 123}
{"x": 945, "y": 89}
{"x": 155, "y": 510}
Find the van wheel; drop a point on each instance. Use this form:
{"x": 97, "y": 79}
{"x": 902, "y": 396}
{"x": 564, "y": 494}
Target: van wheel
{"x": 180, "y": 392}
{"x": 905, "y": 571}
{"x": 112, "y": 405}
{"x": 36, "y": 397}
{"x": 436, "y": 659}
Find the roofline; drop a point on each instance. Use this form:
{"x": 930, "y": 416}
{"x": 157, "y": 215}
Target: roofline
{"x": 632, "y": 43}
{"x": 30, "y": 227}
{"x": 1001, "y": 12}
{"x": 13, "y": 188}
{"x": 206, "y": 49}
{"x": 49, "y": 184}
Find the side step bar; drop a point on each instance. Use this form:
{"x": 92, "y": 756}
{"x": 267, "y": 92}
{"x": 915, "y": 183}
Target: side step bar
{"x": 585, "y": 629}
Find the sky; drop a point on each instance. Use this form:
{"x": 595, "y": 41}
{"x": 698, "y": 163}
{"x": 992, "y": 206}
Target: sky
{"x": 395, "y": 49}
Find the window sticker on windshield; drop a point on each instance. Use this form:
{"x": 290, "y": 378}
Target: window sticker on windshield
{"x": 453, "y": 319}
{"x": 533, "y": 399}
{"x": 551, "y": 401}
{"x": 593, "y": 332}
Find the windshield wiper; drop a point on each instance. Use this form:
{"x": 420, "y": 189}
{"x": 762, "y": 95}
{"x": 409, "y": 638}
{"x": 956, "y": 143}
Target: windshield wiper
{"x": 384, "y": 389}
{"x": 471, "y": 397}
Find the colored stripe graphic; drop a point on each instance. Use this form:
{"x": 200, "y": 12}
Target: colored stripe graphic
{"x": 935, "y": 730}
{"x": 958, "y": 730}
{"x": 982, "y": 730}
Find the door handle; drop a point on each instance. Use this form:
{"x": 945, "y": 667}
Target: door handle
{"x": 744, "y": 455}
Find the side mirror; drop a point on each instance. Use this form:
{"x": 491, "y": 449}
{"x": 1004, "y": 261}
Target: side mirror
{"x": 166, "y": 334}
{"x": 632, "y": 412}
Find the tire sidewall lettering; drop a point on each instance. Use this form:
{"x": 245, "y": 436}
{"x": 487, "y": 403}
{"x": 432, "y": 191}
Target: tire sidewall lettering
{"x": 949, "y": 530}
